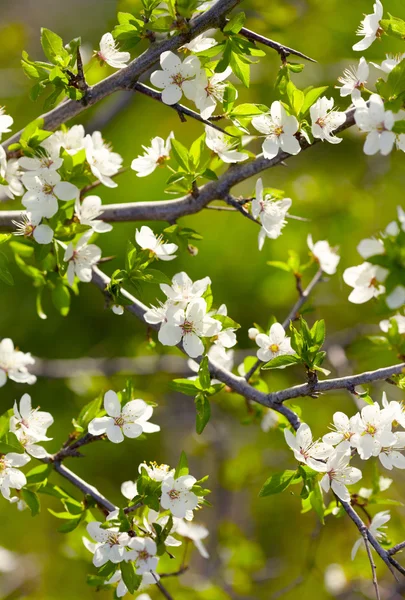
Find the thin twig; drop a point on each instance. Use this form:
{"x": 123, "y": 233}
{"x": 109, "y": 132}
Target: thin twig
{"x": 284, "y": 51}
{"x": 161, "y": 588}
{"x": 396, "y": 548}
{"x": 229, "y": 199}
{"x": 182, "y": 110}
{"x": 372, "y": 564}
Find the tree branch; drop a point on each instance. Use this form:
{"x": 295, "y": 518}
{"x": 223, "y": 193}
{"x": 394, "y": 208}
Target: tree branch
{"x": 284, "y": 51}
{"x": 372, "y": 565}
{"x": 171, "y": 210}
{"x": 396, "y": 548}
{"x": 127, "y": 76}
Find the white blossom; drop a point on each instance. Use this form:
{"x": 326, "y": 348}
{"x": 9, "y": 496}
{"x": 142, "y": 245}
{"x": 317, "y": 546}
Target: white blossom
{"x": 365, "y": 279}
{"x": 11, "y": 174}
{"x": 154, "y": 156}
{"x": 131, "y": 420}
{"x": 276, "y": 343}
{"x": 201, "y": 42}
{"x": 371, "y": 117}
{"x": 400, "y": 319}
{"x": 189, "y": 326}
{"x": 391, "y": 61}
{"x": 325, "y": 119}
{"x": 378, "y": 522}
{"x": 183, "y": 289}
{"x": 396, "y": 410}
{"x": 156, "y": 314}
{"x": 373, "y": 431}
{"x": 326, "y": 256}
{"x": 33, "y": 422}
{"x": 218, "y": 355}
{"x": 147, "y": 240}
{"x": 5, "y": 122}
{"x": 279, "y": 129}
{"x": 370, "y": 247}
{"x": 10, "y": 475}
{"x": 43, "y": 163}
{"x": 43, "y": 192}
{"x": 176, "y": 77}
{"x": 155, "y": 471}
{"x": 306, "y": 450}
{"x": 391, "y": 456}
{"x": 143, "y": 552}
{"x": 369, "y": 28}
{"x": 253, "y": 333}
{"x": 221, "y": 144}
{"x": 71, "y": 140}
{"x": 103, "y": 162}
{"x": 178, "y": 497}
{"x": 81, "y": 259}
{"x": 396, "y": 298}
{"x": 269, "y": 421}
{"x": 110, "y": 54}
{"x": 339, "y": 473}
{"x": 271, "y": 212}
{"x": 13, "y": 364}
{"x": 209, "y": 91}
{"x": 194, "y": 532}
{"x": 88, "y": 211}
{"x": 111, "y": 544}
{"x": 343, "y": 429}
{"x": 353, "y": 80}
{"x": 30, "y": 226}
{"x": 129, "y": 489}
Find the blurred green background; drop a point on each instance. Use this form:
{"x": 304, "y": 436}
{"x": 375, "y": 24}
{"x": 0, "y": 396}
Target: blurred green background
{"x": 345, "y": 195}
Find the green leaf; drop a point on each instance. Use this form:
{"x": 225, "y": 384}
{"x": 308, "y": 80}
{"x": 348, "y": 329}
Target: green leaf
{"x": 279, "y": 482}
{"x": 235, "y": 24}
{"x": 5, "y": 274}
{"x": 318, "y": 333}
{"x": 5, "y": 237}
{"x": 32, "y": 500}
{"x": 184, "y": 386}
{"x": 311, "y": 96}
{"x": 180, "y": 154}
{"x": 394, "y": 26}
{"x": 10, "y": 443}
{"x": 203, "y": 408}
{"x": 241, "y": 68}
{"x": 129, "y": 576}
{"x": 38, "y": 474}
{"x": 61, "y": 299}
{"x": 204, "y": 375}
{"x": 398, "y": 127}
{"x": 52, "y": 45}
{"x": 316, "y": 500}
{"x": 285, "y": 360}
{"x": 395, "y": 83}
{"x": 182, "y": 467}
{"x": 89, "y": 412}
{"x": 227, "y": 322}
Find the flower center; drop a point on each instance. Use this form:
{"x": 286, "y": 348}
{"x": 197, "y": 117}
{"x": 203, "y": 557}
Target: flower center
{"x": 119, "y": 421}
{"x": 274, "y": 348}
{"x": 373, "y": 282}
{"x": 174, "y": 494}
{"x": 321, "y": 122}
{"x": 178, "y": 79}
{"x": 187, "y": 327}
{"x": 47, "y": 188}
{"x": 143, "y": 555}
{"x": 371, "y": 429}
{"x": 112, "y": 539}
{"x": 278, "y": 131}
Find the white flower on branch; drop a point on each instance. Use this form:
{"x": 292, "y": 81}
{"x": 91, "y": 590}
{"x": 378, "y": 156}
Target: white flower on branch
{"x": 400, "y": 320}
{"x": 209, "y": 91}
{"x": 339, "y": 473}
{"x": 276, "y": 343}
{"x": 10, "y": 176}
{"x": 143, "y": 552}
{"x": 156, "y": 314}
{"x": 325, "y": 119}
{"x": 162, "y": 520}
{"x": 178, "y": 497}
{"x": 269, "y": 421}
{"x": 391, "y": 61}
{"x": 253, "y": 332}
{"x": 306, "y": 450}
{"x": 201, "y": 42}
{"x": 194, "y": 532}
{"x": 111, "y": 544}
{"x": 353, "y": 80}
{"x": 396, "y": 298}
{"x": 279, "y": 129}
{"x": 176, "y": 77}
{"x": 378, "y": 522}
{"x": 369, "y": 28}
{"x": 365, "y": 279}
{"x": 88, "y": 211}
{"x": 372, "y": 118}
{"x": 326, "y": 256}
{"x": 30, "y": 226}
{"x": 370, "y": 247}
{"x": 219, "y": 355}
{"x": 13, "y": 364}
{"x": 223, "y": 145}
{"x": 81, "y": 259}
{"x": 183, "y": 289}
{"x": 10, "y": 476}
{"x": 154, "y": 156}
{"x": 395, "y": 409}
{"x": 43, "y": 163}
{"x": 71, "y": 140}
{"x": 129, "y": 489}
{"x": 343, "y": 429}
{"x": 5, "y": 122}
{"x": 373, "y": 431}
{"x": 131, "y": 420}
{"x": 103, "y": 162}
{"x": 271, "y": 212}
{"x": 155, "y": 471}
{"x": 32, "y": 422}
{"x": 43, "y": 192}
{"x": 391, "y": 456}
{"x": 110, "y": 54}
{"x": 121, "y": 589}
{"x": 189, "y": 326}
{"x": 147, "y": 240}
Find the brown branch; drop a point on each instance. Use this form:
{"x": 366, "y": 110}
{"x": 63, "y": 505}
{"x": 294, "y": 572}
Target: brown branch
{"x": 372, "y": 565}
{"x": 284, "y": 51}
{"x": 396, "y": 548}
